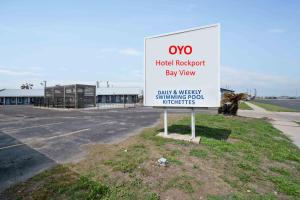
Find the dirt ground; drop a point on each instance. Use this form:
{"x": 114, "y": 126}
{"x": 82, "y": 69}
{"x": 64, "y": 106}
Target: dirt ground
{"x": 203, "y": 175}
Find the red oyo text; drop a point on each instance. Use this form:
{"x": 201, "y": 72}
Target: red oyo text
{"x": 173, "y": 49}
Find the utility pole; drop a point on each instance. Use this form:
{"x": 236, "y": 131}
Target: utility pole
{"x": 44, "y": 83}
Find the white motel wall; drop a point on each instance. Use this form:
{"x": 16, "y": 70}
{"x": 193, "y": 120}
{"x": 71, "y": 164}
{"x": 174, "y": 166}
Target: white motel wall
{"x": 20, "y": 97}
{"x": 103, "y": 95}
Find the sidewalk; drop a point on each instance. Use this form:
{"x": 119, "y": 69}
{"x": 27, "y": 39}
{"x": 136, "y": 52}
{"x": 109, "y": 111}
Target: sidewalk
{"x": 283, "y": 121}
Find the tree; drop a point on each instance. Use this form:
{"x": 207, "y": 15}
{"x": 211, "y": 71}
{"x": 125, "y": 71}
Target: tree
{"x": 27, "y": 86}
{"x": 230, "y": 103}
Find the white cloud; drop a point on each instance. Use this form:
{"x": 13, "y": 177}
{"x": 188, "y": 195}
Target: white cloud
{"x": 18, "y": 71}
{"x": 130, "y": 52}
{"x": 125, "y": 51}
{"x": 137, "y": 73}
{"x": 265, "y": 83}
{"x": 13, "y": 77}
{"x": 276, "y": 30}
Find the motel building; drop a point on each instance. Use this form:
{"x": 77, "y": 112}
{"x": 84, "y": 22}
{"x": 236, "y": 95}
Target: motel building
{"x": 20, "y": 97}
{"x": 119, "y": 95}
{"x": 110, "y": 95}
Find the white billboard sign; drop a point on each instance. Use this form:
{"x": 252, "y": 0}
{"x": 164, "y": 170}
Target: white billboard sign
{"x": 182, "y": 69}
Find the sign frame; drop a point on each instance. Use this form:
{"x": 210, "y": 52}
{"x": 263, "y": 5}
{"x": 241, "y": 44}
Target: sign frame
{"x": 175, "y": 33}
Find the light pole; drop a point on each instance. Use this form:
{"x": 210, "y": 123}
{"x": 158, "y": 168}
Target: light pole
{"x": 44, "y": 83}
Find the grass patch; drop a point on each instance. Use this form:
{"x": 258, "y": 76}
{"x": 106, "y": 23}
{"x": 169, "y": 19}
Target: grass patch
{"x": 150, "y": 134}
{"x": 239, "y": 196}
{"x": 173, "y": 160}
{"x": 287, "y": 185}
{"x": 198, "y": 153}
{"x": 236, "y": 155}
{"x": 244, "y": 106}
{"x": 128, "y": 160}
{"x": 274, "y": 108}
{"x": 246, "y": 166}
{"x": 60, "y": 183}
{"x": 182, "y": 182}
{"x": 280, "y": 170}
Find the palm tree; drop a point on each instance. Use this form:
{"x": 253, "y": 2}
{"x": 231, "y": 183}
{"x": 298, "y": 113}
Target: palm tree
{"x": 27, "y": 86}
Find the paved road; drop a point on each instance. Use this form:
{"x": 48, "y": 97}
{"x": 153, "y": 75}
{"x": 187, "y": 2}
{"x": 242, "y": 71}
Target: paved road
{"x": 283, "y": 121}
{"x": 287, "y": 103}
{"x": 34, "y": 139}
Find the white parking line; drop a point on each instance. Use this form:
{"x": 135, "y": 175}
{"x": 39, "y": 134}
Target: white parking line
{"x": 66, "y": 134}
{"x": 45, "y": 139}
{"x": 15, "y": 145}
{"x": 41, "y": 125}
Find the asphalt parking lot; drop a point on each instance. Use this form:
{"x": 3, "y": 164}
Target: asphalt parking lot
{"x": 34, "y": 139}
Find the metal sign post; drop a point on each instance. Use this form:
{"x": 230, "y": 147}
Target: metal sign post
{"x": 165, "y": 121}
{"x": 182, "y": 70}
{"x": 193, "y": 123}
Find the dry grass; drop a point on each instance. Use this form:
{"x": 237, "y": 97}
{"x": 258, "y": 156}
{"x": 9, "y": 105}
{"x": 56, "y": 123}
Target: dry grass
{"x": 238, "y": 158}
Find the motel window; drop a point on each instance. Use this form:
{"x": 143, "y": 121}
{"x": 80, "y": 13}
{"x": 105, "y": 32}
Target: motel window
{"x": 69, "y": 91}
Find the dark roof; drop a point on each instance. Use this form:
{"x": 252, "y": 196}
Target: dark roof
{"x": 226, "y": 90}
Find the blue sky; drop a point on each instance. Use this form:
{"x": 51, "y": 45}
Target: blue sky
{"x": 84, "y": 41}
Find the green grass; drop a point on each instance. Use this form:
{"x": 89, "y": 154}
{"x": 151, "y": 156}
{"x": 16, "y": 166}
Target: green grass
{"x": 273, "y": 108}
{"x": 61, "y": 183}
{"x": 254, "y": 141}
{"x": 242, "y": 153}
{"x": 239, "y": 196}
{"x": 287, "y": 185}
{"x": 198, "y": 153}
{"x": 244, "y": 106}
{"x": 173, "y": 160}
{"x": 128, "y": 160}
{"x": 183, "y": 182}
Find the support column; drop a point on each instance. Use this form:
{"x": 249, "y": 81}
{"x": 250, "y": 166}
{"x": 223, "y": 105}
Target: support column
{"x": 75, "y": 96}
{"x": 45, "y": 85}
{"x": 64, "y": 96}
{"x": 44, "y": 95}
{"x": 16, "y": 98}
{"x": 53, "y": 90}
{"x": 95, "y": 103}
{"x": 124, "y": 100}
{"x": 165, "y": 121}
{"x": 193, "y": 123}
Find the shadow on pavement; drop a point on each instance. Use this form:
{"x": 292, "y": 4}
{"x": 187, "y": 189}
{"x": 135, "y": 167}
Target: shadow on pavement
{"x": 19, "y": 161}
